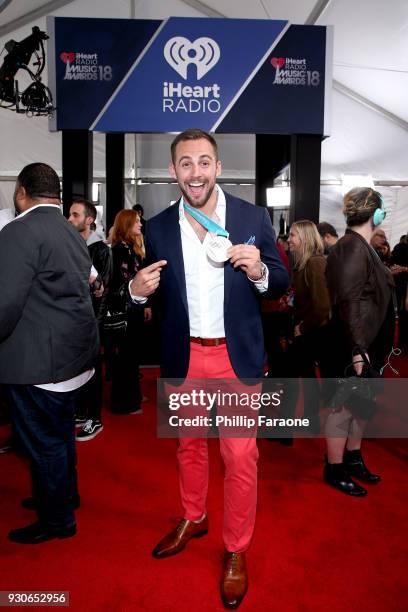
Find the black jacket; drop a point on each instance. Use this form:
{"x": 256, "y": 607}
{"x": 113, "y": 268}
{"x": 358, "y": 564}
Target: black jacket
{"x": 101, "y": 258}
{"x": 48, "y": 331}
{"x": 125, "y": 265}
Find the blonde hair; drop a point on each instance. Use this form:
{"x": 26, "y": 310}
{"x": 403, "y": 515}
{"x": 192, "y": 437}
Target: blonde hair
{"x": 359, "y": 204}
{"x": 311, "y": 243}
{"x": 122, "y": 231}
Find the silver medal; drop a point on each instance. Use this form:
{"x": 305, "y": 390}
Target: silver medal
{"x": 217, "y": 248}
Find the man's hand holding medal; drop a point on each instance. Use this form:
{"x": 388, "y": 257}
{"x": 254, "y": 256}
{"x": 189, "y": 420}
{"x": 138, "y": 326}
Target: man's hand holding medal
{"x": 220, "y": 249}
{"x": 248, "y": 258}
{"x": 245, "y": 256}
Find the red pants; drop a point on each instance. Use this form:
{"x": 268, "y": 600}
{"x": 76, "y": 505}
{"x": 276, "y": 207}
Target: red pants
{"x": 240, "y": 457}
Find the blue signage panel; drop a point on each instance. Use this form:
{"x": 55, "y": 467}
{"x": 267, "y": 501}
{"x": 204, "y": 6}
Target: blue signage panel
{"x": 222, "y": 75}
{"x": 287, "y": 91}
{"x": 91, "y": 59}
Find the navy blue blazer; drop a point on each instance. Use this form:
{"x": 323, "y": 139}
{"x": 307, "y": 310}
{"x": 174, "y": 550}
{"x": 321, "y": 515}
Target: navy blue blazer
{"x": 242, "y": 319}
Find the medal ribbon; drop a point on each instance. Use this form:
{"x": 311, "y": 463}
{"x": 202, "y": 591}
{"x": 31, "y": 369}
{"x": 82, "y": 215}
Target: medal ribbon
{"x": 205, "y": 221}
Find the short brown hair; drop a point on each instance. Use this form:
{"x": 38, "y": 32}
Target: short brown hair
{"x": 89, "y": 208}
{"x": 192, "y": 134}
{"x": 326, "y": 228}
{"x": 359, "y": 204}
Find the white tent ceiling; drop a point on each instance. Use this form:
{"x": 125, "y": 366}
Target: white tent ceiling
{"x": 370, "y": 111}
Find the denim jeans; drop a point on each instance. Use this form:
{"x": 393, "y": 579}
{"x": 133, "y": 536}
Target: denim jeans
{"x": 44, "y": 423}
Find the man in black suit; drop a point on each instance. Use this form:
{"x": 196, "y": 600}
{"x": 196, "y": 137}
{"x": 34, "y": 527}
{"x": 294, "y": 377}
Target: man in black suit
{"x": 48, "y": 344}
{"x": 214, "y": 256}
{"x": 82, "y": 215}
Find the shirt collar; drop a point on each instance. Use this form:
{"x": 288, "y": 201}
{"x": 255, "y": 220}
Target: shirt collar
{"x": 93, "y": 238}
{"x": 34, "y": 207}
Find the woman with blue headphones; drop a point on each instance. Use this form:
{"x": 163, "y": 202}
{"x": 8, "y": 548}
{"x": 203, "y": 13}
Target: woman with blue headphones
{"x": 360, "y": 288}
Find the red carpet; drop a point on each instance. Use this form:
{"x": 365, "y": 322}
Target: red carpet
{"x": 314, "y": 549}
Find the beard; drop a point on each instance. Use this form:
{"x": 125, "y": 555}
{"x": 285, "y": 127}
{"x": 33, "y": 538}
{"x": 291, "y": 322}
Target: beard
{"x": 81, "y": 227}
{"x": 200, "y": 201}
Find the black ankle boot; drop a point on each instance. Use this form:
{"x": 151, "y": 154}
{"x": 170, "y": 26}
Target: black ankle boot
{"x": 336, "y": 475}
{"x": 355, "y": 466}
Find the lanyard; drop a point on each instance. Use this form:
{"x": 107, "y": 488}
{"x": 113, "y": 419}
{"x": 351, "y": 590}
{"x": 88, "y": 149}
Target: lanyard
{"x": 205, "y": 221}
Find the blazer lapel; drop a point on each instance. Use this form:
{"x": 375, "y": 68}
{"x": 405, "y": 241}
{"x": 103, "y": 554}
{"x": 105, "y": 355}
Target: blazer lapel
{"x": 175, "y": 248}
{"x": 231, "y": 225}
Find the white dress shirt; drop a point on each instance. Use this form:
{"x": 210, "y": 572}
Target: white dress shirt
{"x": 205, "y": 278}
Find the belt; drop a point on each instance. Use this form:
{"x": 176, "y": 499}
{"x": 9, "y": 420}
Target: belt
{"x": 208, "y": 341}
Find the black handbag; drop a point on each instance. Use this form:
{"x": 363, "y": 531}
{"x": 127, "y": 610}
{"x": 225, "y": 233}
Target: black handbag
{"x": 115, "y": 324}
{"x": 359, "y": 393}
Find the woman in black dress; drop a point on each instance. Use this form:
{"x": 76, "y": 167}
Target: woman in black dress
{"x": 127, "y": 256}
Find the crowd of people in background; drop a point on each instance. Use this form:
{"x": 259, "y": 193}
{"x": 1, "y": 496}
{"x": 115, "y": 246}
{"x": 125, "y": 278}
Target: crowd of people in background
{"x": 298, "y": 327}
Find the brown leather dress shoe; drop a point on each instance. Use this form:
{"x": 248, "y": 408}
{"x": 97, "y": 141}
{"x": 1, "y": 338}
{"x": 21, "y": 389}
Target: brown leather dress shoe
{"x": 234, "y": 583}
{"x": 176, "y": 540}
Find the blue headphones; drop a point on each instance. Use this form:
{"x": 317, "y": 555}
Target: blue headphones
{"x": 379, "y": 214}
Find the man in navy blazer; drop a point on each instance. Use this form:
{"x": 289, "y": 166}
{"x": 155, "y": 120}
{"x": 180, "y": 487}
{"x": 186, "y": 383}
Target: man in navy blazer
{"x": 211, "y": 328}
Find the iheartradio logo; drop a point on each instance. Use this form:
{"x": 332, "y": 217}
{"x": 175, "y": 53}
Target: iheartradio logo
{"x": 278, "y": 62}
{"x": 68, "y": 58}
{"x": 180, "y": 52}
